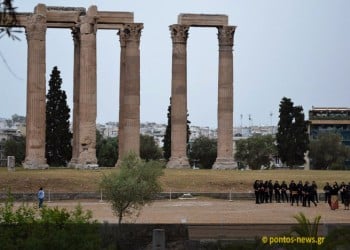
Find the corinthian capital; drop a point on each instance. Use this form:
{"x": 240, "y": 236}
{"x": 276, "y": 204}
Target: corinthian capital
{"x": 225, "y": 35}
{"x": 76, "y": 35}
{"x": 36, "y": 27}
{"x": 179, "y": 33}
{"x": 130, "y": 32}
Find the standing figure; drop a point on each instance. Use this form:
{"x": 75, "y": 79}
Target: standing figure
{"x": 327, "y": 192}
{"x": 314, "y": 185}
{"x": 305, "y": 194}
{"x": 342, "y": 188}
{"x": 270, "y": 185}
{"x": 261, "y": 191}
{"x": 312, "y": 195}
{"x": 284, "y": 189}
{"x": 346, "y": 197}
{"x": 41, "y": 196}
{"x": 333, "y": 201}
{"x": 294, "y": 193}
{"x": 256, "y": 191}
{"x": 300, "y": 187}
{"x": 277, "y": 188}
{"x": 266, "y": 192}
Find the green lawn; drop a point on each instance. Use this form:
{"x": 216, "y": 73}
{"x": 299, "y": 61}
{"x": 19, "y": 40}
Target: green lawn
{"x": 72, "y": 180}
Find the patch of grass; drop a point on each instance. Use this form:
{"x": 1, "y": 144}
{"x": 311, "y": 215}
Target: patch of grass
{"x": 182, "y": 180}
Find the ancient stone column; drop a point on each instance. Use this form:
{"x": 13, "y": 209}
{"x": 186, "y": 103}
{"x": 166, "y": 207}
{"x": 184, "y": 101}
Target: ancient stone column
{"x": 76, "y": 81}
{"x": 178, "y": 158}
{"x": 36, "y": 90}
{"x": 225, "y": 152}
{"x": 87, "y": 91}
{"x": 122, "y": 39}
{"x": 129, "y": 101}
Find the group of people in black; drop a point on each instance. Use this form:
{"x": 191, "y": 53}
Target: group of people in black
{"x": 299, "y": 193}
{"x": 331, "y": 194}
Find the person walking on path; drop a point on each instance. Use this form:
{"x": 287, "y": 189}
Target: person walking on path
{"x": 41, "y": 196}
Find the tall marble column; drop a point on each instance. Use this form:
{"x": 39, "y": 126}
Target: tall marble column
{"x": 225, "y": 152}
{"x": 129, "y": 101}
{"x": 76, "y": 85}
{"x": 178, "y": 158}
{"x": 87, "y": 91}
{"x": 36, "y": 90}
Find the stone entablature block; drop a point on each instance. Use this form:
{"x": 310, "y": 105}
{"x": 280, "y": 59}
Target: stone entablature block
{"x": 203, "y": 20}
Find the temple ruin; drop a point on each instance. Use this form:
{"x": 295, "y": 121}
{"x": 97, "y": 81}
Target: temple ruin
{"x": 179, "y": 35}
{"x": 83, "y": 25}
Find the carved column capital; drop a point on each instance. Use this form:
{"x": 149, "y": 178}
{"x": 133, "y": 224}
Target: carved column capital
{"x": 130, "y": 32}
{"x": 179, "y": 33}
{"x": 88, "y": 24}
{"x": 36, "y": 27}
{"x": 225, "y": 35}
{"x": 76, "y": 35}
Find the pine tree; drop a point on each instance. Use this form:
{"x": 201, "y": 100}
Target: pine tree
{"x": 292, "y": 137}
{"x": 58, "y": 136}
{"x": 167, "y": 136}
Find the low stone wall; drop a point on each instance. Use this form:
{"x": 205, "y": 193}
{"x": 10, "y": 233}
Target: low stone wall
{"x": 160, "y": 196}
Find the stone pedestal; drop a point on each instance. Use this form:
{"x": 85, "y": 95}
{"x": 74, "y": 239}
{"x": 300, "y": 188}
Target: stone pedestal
{"x": 36, "y": 90}
{"x": 178, "y": 159}
{"x": 11, "y": 163}
{"x": 225, "y": 152}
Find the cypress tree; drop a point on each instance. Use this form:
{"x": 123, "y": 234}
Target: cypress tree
{"x": 292, "y": 137}
{"x": 167, "y": 135}
{"x": 301, "y": 136}
{"x": 58, "y": 136}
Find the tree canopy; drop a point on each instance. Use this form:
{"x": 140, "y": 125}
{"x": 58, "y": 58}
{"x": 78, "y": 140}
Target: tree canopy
{"x": 292, "y": 136}
{"x": 328, "y": 152}
{"x": 58, "y": 136}
{"x": 256, "y": 151}
{"x": 204, "y": 150}
{"x": 149, "y": 149}
{"x": 135, "y": 184}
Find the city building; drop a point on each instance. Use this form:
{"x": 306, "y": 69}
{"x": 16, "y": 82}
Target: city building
{"x": 335, "y": 120}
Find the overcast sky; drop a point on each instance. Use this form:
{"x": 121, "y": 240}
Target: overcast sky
{"x": 294, "y": 48}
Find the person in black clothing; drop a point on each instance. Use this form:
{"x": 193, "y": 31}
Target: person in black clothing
{"x": 277, "y": 188}
{"x": 284, "y": 189}
{"x": 327, "y": 192}
{"x": 305, "y": 194}
{"x": 347, "y": 197}
{"x": 300, "y": 187}
{"x": 261, "y": 191}
{"x": 311, "y": 190}
{"x": 256, "y": 191}
{"x": 270, "y": 186}
{"x": 314, "y": 186}
{"x": 266, "y": 192}
{"x": 342, "y": 188}
{"x": 294, "y": 192}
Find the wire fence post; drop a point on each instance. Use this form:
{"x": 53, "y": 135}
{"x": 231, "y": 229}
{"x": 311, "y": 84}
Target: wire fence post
{"x": 101, "y": 198}
{"x": 49, "y": 196}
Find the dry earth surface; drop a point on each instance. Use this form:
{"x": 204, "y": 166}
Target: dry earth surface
{"x": 206, "y": 210}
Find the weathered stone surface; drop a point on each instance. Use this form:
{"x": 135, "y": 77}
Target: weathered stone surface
{"x": 203, "y": 20}
{"x": 84, "y": 24}
{"x": 179, "y": 35}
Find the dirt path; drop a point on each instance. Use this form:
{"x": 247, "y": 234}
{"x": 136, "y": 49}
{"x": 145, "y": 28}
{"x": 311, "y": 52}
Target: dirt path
{"x": 213, "y": 211}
